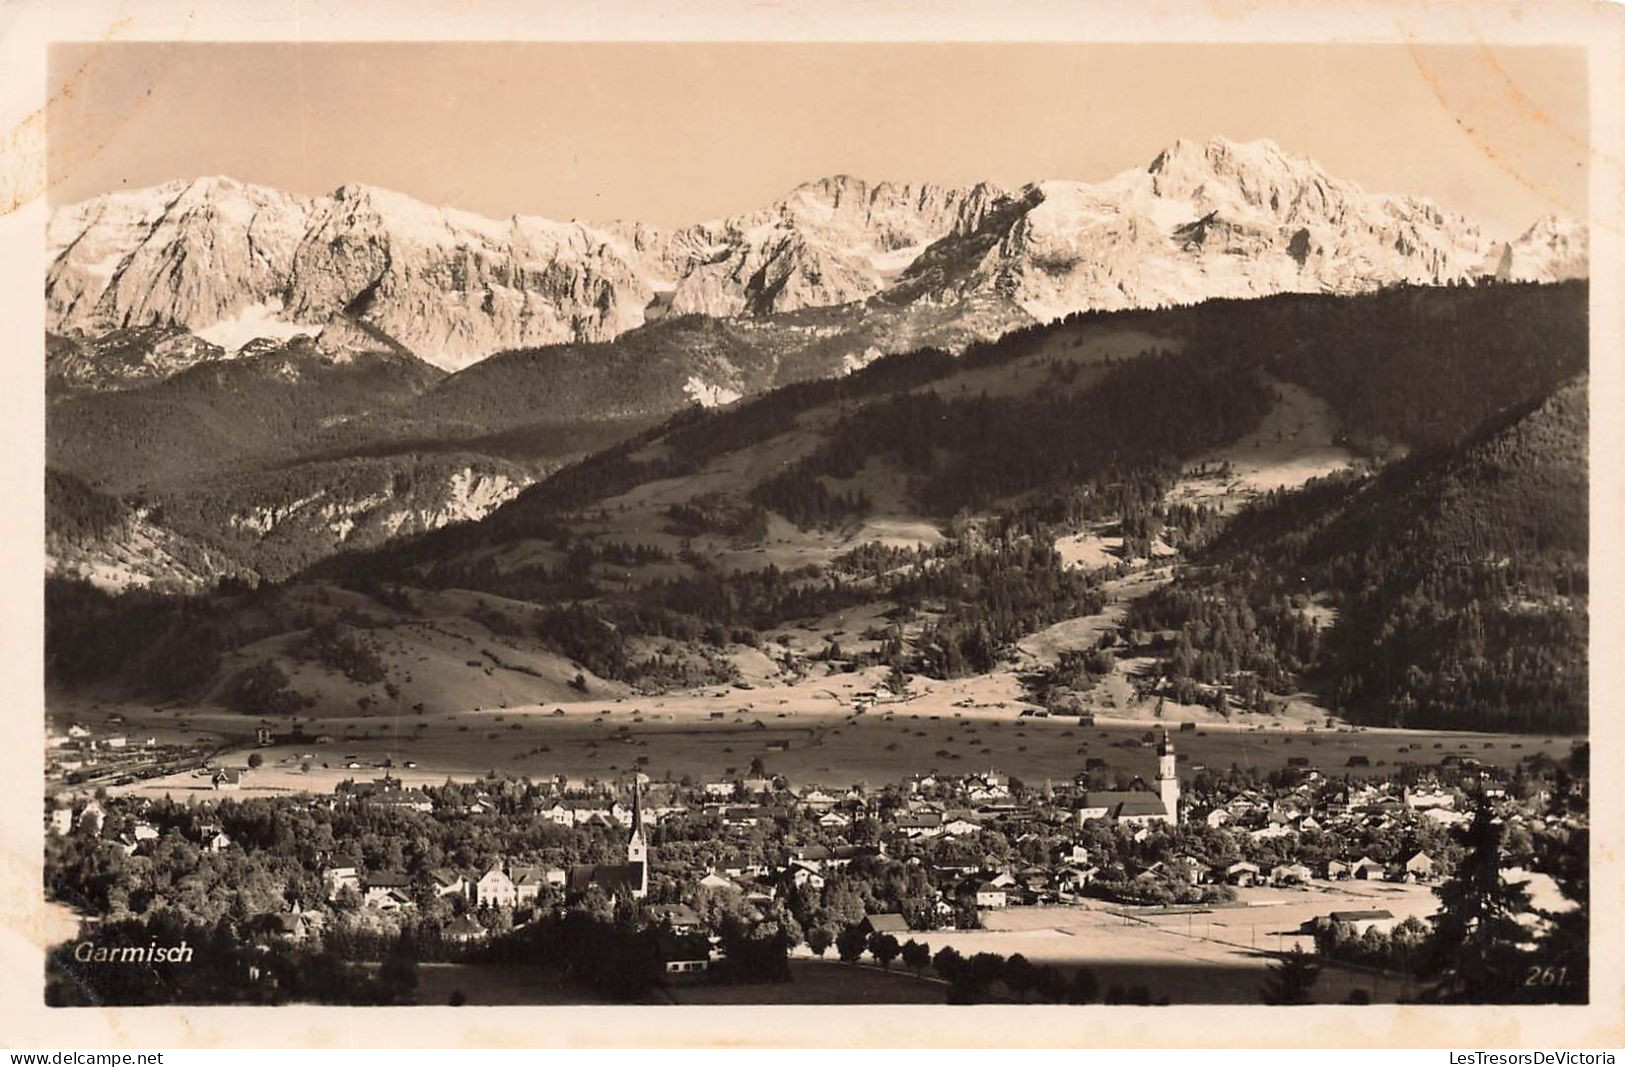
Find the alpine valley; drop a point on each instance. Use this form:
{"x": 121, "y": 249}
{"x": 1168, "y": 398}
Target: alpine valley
{"x": 1223, "y": 433}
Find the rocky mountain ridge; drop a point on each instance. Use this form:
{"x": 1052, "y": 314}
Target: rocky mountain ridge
{"x": 230, "y": 262}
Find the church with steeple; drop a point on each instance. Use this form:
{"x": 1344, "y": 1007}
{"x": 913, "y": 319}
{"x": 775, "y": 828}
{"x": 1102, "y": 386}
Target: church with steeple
{"x": 1137, "y": 807}
{"x": 637, "y": 849}
{"x": 1168, "y": 777}
{"x": 630, "y": 878}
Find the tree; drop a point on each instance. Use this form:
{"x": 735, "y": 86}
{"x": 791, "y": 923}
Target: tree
{"x": 1019, "y": 975}
{"x": 1477, "y": 939}
{"x": 885, "y": 948}
{"x": 255, "y": 761}
{"x": 974, "y": 978}
{"x": 398, "y": 977}
{"x": 947, "y": 962}
{"x": 1292, "y": 980}
{"x": 261, "y": 689}
{"x": 820, "y": 938}
{"x": 1563, "y": 957}
{"x": 916, "y": 955}
{"x": 1050, "y": 984}
{"x": 1085, "y": 986}
{"x": 851, "y": 942}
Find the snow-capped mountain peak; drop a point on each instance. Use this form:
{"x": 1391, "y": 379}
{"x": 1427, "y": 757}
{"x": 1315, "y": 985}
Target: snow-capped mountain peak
{"x": 1218, "y": 218}
{"x": 1553, "y": 249}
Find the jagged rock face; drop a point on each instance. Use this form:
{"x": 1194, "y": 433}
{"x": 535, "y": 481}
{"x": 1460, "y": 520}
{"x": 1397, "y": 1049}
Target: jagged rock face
{"x": 362, "y": 509}
{"x": 378, "y": 507}
{"x": 457, "y": 287}
{"x": 1202, "y": 221}
{"x": 1553, "y": 249}
{"x": 182, "y": 254}
{"x": 232, "y": 262}
{"x": 135, "y": 553}
{"x": 829, "y": 242}
{"x": 121, "y": 359}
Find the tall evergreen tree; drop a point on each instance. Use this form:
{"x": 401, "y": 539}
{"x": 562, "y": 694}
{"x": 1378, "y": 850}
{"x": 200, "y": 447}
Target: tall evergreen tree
{"x": 1292, "y": 981}
{"x": 1477, "y": 939}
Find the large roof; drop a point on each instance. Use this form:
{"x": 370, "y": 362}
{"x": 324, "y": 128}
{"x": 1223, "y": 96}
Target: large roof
{"x": 607, "y": 876}
{"x": 1124, "y": 802}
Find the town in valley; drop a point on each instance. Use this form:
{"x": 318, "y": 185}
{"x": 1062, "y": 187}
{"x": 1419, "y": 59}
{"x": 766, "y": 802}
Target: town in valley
{"x": 1160, "y": 578}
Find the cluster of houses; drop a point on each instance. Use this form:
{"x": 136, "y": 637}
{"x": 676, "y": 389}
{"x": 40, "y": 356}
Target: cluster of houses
{"x": 895, "y": 821}
{"x": 85, "y": 755}
{"x": 502, "y": 885}
{"x": 90, "y": 818}
{"x": 1264, "y": 814}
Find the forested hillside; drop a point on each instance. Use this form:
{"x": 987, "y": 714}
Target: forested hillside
{"x": 1447, "y": 588}
{"x": 1405, "y": 368}
{"x": 1450, "y": 589}
{"x": 259, "y": 408}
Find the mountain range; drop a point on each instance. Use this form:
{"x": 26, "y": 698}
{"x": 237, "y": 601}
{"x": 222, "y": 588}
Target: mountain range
{"x": 231, "y": 262}
{"x": 245, "y": 381}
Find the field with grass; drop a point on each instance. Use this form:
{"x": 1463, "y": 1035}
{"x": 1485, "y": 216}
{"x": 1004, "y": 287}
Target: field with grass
{"x": 1220, "y": 955}
{"x": 808, "y": 732}
{"x": 1216, "y": 956}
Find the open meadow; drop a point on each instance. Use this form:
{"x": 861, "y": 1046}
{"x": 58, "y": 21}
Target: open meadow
{"x": 809, "y": 732}
{"x": 1219, "y": 955}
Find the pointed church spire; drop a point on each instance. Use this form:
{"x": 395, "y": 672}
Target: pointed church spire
{"x": 1168, "y": 777}
{"x": 637, "y": 849}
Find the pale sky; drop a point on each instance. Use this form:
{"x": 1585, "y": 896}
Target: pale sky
{"x": 677, "y": 133}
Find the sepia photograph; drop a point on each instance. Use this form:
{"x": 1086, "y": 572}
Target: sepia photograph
{"x": 816, "y": 523}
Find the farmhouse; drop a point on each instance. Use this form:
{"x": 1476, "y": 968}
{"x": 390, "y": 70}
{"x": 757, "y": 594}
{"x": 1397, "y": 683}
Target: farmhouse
{"x": 684, "y": 955}
{"x": 889, "y": 922}
{"x": 528, "y": 882}
{"x": 1366, "y": 869}
{"x": 920, "y": 824}
{"x": 449, "y": 883}
{"x": 495, "y": 889}
{"x": 464, "y": 929}
{"x": 338, "y": 879}
{"x": 678, "y": 918}
{"x": 989, "y": 895}
{"x": 385, "y": 892}
{"x": 407, "y": 799}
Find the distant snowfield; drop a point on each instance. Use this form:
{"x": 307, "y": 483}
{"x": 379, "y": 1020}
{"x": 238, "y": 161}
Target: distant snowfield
{"x": 264, "y": 319}
{"x": 890, "y": 264}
